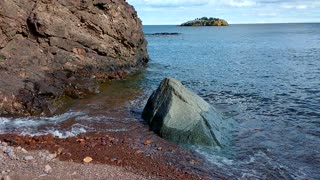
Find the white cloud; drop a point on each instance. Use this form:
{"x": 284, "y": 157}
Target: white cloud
{"x": 295, "y": 6}
{"x": 189, "y": 3}
{"x": 270, "y": 14}
{"x": 240, "y": 3}
{"x": 170, "y": 3}
{"x": 301, "y": 5}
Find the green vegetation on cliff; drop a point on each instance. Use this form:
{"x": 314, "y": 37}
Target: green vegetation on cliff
{"x": 204, "y": 21}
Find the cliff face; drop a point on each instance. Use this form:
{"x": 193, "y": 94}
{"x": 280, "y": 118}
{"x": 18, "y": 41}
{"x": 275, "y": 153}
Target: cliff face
{"x": 52, "y": 48}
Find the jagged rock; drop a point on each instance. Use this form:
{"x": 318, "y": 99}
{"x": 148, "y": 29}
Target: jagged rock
{"x": 52, "y": 48}
{"x": 178, "y": 115}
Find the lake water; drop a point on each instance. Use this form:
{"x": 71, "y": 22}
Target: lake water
{"x": 265, "y": 77}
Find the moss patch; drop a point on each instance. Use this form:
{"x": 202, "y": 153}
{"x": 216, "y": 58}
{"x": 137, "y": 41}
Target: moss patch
{"x": 2, "y": 57}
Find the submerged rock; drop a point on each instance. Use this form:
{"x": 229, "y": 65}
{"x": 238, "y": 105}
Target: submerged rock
{"x": 163, "y": 34}
{"x": 56, "y": 48}
{"x": 178, "y": 115}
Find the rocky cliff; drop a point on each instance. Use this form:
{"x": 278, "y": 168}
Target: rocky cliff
{"x": 55, "y": 48}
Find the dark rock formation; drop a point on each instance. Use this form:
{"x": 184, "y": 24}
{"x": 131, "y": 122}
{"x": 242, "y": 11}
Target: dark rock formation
{"x": 163, "y": 34}
{"x": 178, "y": 115}
{"x": 206, "y": 22}
{"x": 52, "y": 48}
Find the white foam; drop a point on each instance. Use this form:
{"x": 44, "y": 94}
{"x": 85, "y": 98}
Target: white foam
{"x": 18, "y": 125}
{"x": 211, "y": 154}
{"x": 74, "y": 131}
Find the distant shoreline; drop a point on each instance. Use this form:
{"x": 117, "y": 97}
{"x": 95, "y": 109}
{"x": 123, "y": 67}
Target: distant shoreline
{"x": 238, "y": 24}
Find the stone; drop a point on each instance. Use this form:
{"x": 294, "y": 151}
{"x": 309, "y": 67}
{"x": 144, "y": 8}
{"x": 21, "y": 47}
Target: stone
{"x": 51, "y": 49}
{"x": 28, "y": 158}
{"x": 10, "y": 152}
{"x": 87, "y": 159}
{"x": 47, "y": 156}
{"x": 5, "y": 172}
{"x": 48, "y": 169}
{"x": 147, "y": 142}
{"x": 6, "y": 178}
{"x": 178, "y": 115}
{"x": 23, "y": 150}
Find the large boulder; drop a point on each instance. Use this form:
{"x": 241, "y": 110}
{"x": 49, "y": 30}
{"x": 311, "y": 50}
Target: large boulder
{"x": 178, "y": 115}
{"x": 53, "y": 48}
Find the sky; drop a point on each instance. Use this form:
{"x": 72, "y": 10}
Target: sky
{"x": 167, "y": 12}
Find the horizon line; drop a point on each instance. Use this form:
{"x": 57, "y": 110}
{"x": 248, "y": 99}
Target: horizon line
{"x": 240, "y": 23}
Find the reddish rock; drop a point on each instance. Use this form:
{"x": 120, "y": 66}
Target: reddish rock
{"x": 52, "y": 48}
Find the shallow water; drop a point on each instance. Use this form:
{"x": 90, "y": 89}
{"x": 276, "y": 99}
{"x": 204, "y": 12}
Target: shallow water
{"x": 266, "y": 77}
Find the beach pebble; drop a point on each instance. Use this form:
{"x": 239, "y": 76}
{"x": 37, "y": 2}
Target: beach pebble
{"x": 147, "y": 142}
{"x": 6, "y": 178}
{"x": 6, "y": 172}
{"x": 9, "y": 151}
{"x": 24, "y": 150}
{"x": 4, "y": 144}
{"x": 47, "y": 169}
{"x": 47, "y": 156}
{"x": 28, "y": 158}
{"x": 2, "y": 148}
{"x": 87, "y": 159}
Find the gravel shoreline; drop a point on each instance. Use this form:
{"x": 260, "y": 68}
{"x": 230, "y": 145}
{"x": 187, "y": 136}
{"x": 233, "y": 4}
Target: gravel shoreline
{"x": 99, "y": 155}
{"x": 18, "y": 163}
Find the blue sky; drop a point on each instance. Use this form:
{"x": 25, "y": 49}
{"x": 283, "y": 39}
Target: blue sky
{"x": 234, "y": 11}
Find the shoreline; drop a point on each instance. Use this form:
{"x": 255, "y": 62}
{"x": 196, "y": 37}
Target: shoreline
{"x": 141, "y": 153}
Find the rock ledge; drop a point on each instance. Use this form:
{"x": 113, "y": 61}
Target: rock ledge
{"x": 53, "y": 48}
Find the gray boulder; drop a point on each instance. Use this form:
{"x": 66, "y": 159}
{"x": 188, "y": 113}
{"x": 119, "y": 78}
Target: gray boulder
{"x": 178, "y": 115}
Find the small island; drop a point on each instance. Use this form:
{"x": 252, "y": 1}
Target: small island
{"x": 204, "y": 21}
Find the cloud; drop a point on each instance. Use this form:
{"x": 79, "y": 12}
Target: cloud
{"x": 192, "y": 3}
{"x": 240, "y": 3}
{"x": 304, "y": 5}
{"x": 270, "y": 14}
{"x": 170, "y": 3}
{"x": 236, "y": 11}
{"x": 292, "y": 6}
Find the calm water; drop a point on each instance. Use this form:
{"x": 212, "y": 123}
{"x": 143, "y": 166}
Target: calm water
{"x": 266, "y": 77}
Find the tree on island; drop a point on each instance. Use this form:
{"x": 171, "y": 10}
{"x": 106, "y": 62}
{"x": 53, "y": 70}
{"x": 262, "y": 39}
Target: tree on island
{"x": 205, "y": 21}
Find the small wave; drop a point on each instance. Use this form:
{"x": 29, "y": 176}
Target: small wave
{"x": 18, "y": 125}
{"x": 74, "y": 131}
